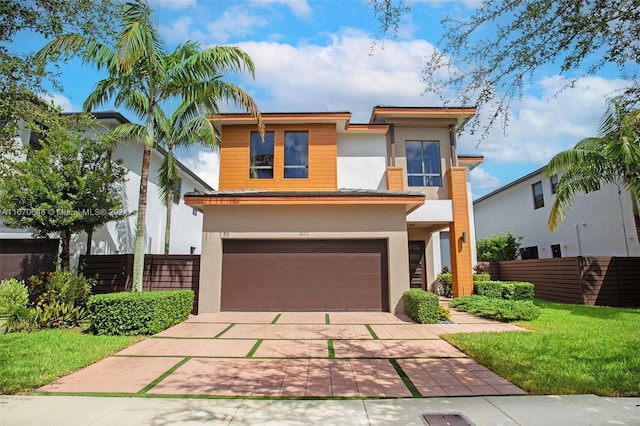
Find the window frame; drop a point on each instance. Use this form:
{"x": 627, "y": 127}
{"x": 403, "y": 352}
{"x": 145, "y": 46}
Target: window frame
{"x": 286, "y": 167}
{"x": 426, "y": 177}
{"x": 254, "y": 170}
{"x": 538, "y": 200}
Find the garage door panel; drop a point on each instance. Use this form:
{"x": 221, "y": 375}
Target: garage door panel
{"x": 304, "y": 275}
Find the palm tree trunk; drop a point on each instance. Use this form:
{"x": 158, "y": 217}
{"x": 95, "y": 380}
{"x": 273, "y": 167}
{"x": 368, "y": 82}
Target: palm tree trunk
{"x": 167, "y": 226}
{"x": 138, "y": 254}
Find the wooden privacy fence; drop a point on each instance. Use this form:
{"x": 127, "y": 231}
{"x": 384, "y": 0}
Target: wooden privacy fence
{"x": 610, "y": 281}
{"x": 161, "y": 272}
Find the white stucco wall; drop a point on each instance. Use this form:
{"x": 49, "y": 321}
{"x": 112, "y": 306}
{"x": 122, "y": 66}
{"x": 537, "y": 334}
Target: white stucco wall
{"x": 362, "y": 161}
{"x": 598, "y": 224}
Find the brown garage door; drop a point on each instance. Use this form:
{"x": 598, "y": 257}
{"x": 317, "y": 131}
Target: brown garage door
{"x": 304, "y": 275}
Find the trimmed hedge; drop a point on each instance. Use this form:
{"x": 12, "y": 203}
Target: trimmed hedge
{"x": 507, "y": 290}
{"x": 497, "y": 309}
{"x": 446, "y": 280}
{"x": 132, "y": 313}
{"x": 481, "y": 277}
{"x": 421, "y": 306}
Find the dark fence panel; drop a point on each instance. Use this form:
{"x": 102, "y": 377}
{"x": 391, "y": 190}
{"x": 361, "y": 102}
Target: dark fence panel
{"x": 610, "y": 281}
{"x": 161, "y": 272}
{"x": 21, "y": 258}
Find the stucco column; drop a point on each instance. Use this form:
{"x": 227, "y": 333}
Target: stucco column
{"x": 460, "y": 234}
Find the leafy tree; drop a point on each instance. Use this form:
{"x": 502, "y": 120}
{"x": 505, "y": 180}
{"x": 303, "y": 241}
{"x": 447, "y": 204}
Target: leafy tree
{"x": 184, "y": 128}
{"x": 613, "y": 156}
{"x": 489, "y": 58}
{"x": 67, "y": 186}
{"x": 500, "y": 247}
{"x": 142, "y": 74}
{"x": 21, "y": 74}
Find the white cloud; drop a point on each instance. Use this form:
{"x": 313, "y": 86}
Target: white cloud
{"x": 234, "y": 22}
{"x": 179, "y": 31}
{"x": 172, "y": 4}
{"x": 339, "y": 76}
{"x": 541, "y": 126}
{"x": 482, "y": 181}
{"x": 62, "y": 101}
{"x": 299, "y": 7}
{"x": 206, "y": 165}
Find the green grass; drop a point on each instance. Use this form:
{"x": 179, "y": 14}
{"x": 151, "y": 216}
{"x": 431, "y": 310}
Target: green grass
{"x": 30, "y": 360}
{"x": 573, "y": 349}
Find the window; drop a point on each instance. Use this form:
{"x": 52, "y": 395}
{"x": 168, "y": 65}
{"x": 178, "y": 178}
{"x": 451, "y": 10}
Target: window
{"x": 192, "y": 250}
{"x": 554, "y": 183}
{"x": 261, "y": 156}
{"x": 423, "y": 163}
{"x": 177, "y": 186}
{"x": 556, "y": 251}
{"x": 296, "y": 154}
{"x": 530, "y": 252}
{"x": 538, "y": 197}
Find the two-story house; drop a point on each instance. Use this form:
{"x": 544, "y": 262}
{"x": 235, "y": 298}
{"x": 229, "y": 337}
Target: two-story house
{"x": 325, "y": 214}
{"x": 599, "y": 223}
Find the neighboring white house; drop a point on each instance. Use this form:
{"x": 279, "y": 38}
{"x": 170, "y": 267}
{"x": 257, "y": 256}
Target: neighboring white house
{"x": 119, "y": 237}
{"x": 598, "y": 224}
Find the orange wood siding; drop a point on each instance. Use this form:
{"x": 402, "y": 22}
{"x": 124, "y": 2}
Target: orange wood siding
{"x": 395, "y": 178}
{"x": 323, "y": 152}
{"x": 461, "y": 267}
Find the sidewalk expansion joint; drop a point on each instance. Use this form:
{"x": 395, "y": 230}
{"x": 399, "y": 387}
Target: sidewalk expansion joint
{"x": 405, "y": 379}
{"x": 254, "y": 348}
{"x": 373, "y": 333}
{"x": 327, "y": 320}
{"x": 164, "y": 375}
{"x": 332, "y": 353}
{"x": 275, "y": 320}
{"x": 217, "y": 336}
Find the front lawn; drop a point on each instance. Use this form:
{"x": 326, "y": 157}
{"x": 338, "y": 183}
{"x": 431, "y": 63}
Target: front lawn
{"x": 573, "y": 349}
{"x": 30, "y": 360}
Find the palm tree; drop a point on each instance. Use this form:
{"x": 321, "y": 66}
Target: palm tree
{"x": 142, "y": 74}
{"x": 612, "y": 157}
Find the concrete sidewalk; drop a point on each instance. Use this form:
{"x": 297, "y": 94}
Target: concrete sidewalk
{"x": 495, "y": 410}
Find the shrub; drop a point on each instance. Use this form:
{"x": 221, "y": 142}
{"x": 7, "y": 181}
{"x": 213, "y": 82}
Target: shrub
{"x": 24, "y": 319}
{"x": 59, "y": 315}
{"x": 445, "y": 288}
{"x": 499, "y": 247}
{"x": 132, "y": 313}
{"x": 445, "y": 313}
{"x": 13, "y": 296}
{"x": 507, "y": 290}
{"x": 66, "y": 287}
{"x": 498, "y": 309}
{"x": 421, "y": 306}
{"x": 481, "y": 277}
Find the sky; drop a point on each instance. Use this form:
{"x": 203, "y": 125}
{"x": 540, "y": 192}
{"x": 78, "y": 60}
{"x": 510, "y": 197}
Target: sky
{"x": 322, "y": 55}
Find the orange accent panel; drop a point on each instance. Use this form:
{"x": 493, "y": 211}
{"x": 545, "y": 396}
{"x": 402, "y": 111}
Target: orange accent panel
{"x": 461, "y": 267}
{"x": 395, "y": 178}
{"x": 323, "y": 152}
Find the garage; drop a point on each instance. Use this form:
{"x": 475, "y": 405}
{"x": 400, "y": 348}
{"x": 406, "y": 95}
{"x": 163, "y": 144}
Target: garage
{"x": 304, "y": 275}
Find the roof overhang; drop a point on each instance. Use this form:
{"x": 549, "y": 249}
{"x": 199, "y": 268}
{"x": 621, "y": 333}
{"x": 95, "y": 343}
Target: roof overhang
{"x": 411, "y": 200}
{"x": 453, "y": 115}
{"x": 470, "y": 161}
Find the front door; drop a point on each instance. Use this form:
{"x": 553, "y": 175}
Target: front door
{"x": 416, "y": 264}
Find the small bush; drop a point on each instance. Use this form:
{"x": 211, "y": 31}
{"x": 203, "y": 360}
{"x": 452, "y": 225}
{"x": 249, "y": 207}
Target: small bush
{"x": 498, "y": 309}
{"x": 445, "y": 287}
{"x": 59, "y": 315}
{"x": 421, "y": 306}
{"x": 24, "y": 319}
{"x": 13, "y": 296}
{"x": 66, "y": 287}
{"x": 481, "y": 277}
{"x": 507, "y": 290}
{"x": 133, "y": 313}
{"x": 445, "y": 313}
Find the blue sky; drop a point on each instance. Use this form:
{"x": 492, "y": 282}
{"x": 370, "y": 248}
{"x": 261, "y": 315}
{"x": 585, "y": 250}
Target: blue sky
{"x": 322, "y": 56}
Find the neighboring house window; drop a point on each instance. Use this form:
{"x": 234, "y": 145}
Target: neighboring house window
{"x": 530, "y": 252}
{"x": 296, "y": 154}
{"x": 538, "y": 197}
{"x": 194, "y": 212}
{"x": 177, "y": 186}
{"x": 261, "y": 156}
{"x": 192, "y": 250}
{"x": 423, "y": 163}
{"x": 554, "y": 183}
{"x": 555, "y": 250}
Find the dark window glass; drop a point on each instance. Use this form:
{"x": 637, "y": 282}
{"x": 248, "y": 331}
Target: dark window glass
{"x": 296, "y": 154}
{"x": 538, "y": 197}
{"x": 554, "y": 183}
{"x": 556, "y": 251}
{"x": 261, "y": 156}
{"x": 423, "y": 163}
{"x": 530, "y": 252}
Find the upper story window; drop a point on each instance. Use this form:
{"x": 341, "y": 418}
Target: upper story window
{"x": 423, "y": 163}
{"x": 554, "y": 183}
{"x": 296, "y": 154}
{"x": 538, "y": 196}
{"x": 261, "y": 156}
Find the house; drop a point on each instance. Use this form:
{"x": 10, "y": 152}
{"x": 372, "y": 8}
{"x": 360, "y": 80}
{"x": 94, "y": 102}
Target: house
{"x": 600, "y": 223}
{"x": 325, "y": 214}
{"x": 119, "y": 236}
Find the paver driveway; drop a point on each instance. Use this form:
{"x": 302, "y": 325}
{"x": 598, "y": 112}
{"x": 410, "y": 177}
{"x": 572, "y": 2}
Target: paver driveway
{"x": 296, "y": 354}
